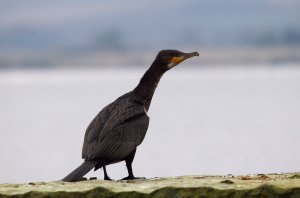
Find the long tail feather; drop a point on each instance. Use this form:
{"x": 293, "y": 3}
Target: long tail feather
{"x": 79, "y": 172}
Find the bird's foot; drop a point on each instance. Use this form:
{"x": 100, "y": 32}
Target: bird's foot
{"x": 132, "y": 178}
{"x": 107, "y": 178}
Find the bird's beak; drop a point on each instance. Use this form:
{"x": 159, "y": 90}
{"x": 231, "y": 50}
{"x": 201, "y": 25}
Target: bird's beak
{"x": 189, "y": 55}
{"x": 177, "y": 60}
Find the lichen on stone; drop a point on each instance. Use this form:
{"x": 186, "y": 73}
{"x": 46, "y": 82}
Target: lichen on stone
{"x": 261, "y": 185}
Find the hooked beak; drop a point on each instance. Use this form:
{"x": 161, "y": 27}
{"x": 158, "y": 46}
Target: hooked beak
{"x": 189, "y": 55}
{"x": 177, "y": 60}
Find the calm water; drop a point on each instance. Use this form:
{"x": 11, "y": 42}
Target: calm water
{"x": 203, "y": 121}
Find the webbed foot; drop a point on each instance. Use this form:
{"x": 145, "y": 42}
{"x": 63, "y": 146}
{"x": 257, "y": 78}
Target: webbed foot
{"x": 132, "y": 178}
{"x": 107, "y": 178}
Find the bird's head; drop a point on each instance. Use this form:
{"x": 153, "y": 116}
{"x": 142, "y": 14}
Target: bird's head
{"x": 171, "y": 58}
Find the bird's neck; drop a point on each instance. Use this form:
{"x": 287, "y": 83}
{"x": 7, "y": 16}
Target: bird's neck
{"x": 148, "y": 83}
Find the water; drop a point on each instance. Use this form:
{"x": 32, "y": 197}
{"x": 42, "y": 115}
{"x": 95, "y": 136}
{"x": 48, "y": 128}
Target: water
{"x": 218, "y": 120}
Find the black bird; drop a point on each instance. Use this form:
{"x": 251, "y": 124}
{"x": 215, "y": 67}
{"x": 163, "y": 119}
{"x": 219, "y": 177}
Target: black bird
{"x": 117, "y": 130}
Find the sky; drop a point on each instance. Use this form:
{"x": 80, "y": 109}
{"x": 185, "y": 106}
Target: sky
{"x": 59, "y": 32}
{"x": 143, "y": 24}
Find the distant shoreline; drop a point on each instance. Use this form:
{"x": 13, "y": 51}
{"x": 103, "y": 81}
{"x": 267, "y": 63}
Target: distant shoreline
{"x": 210, "y": 56}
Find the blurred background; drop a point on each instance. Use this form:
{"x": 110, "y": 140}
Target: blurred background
{"x": 235, "y": 110}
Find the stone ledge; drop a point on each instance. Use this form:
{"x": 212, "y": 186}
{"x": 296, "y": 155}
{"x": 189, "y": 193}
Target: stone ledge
{"x": 261, "y": 185}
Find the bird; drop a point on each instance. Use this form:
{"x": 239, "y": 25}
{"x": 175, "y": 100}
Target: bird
{"x": 120, "y": 127}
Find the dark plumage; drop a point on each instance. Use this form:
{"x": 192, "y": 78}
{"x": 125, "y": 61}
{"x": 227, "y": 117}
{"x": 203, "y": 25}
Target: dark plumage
{"x": 117, "y": 130}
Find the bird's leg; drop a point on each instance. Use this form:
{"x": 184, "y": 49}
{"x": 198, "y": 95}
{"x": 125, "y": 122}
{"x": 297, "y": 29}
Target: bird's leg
{"x": 105, "y": 174}
{"x": 129, "y": 161}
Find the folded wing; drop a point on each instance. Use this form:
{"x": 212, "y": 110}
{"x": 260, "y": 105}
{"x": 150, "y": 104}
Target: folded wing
{"x": 116, "y": 131}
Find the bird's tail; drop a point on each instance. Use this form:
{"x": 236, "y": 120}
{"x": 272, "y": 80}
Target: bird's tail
{"x": 79, "y": 172}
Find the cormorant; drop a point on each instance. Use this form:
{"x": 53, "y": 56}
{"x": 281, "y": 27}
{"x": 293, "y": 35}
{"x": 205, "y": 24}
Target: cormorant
{"x": 117, "y": 130}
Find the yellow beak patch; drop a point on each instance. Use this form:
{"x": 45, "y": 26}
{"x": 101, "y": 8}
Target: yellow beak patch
{"x": 177, "y": 60}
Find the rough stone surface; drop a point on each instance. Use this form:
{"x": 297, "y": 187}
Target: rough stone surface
{"x": 260, "y": 185}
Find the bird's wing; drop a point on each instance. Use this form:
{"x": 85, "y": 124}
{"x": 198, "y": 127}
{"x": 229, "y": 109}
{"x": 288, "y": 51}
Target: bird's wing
{"x": 122, "y": 128}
